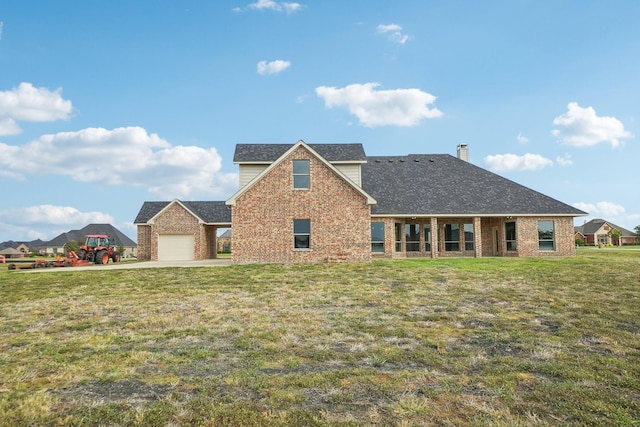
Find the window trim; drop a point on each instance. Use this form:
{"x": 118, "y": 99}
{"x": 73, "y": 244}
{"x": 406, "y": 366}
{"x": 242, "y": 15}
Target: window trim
{"x": 398, "y": 236}
{"x": 408, "y": 242}
{"x": 297, "y": 233}
{"x": 306, "y": 174}
{"x": 451, "y": 243}
{"x": 511, "y": 245}
{"x": 552, "y": 239}
{"x": 378, "y": 243}
{"x": 469, "y": 243}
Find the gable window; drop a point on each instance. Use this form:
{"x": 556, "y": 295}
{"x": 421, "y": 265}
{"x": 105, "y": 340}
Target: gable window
{"x": 302, "y": 233}
{"x": 377, "y": 237}
{"x": 510, "y": 235}
{"x": 451, "y": 237}
{"x": 301, "y": 178}
{"x": 398, "y": 237}
{"x": 468, "y": 237}
{"x": 546, "y": 236}
{"x": 412, "y": 233}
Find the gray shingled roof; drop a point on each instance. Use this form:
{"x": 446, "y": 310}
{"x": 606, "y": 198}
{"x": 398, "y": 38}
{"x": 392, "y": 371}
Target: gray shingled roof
{"x": 267, "y": 153}
{"x": 118, "y": 237}
{"x": 595, "y": 224}
{"x": 209, "y": 212}
{"x": 441, "y": 184}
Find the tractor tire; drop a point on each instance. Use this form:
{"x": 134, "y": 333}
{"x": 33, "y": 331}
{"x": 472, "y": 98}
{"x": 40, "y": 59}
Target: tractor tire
{"x": 82, "y": 254}
{"x": 102, "y": 257}
{"x": 115, "y": 257}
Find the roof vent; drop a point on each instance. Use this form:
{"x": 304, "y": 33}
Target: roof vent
{"x": 416, "y": 160}
{"x": 463, "y": 152}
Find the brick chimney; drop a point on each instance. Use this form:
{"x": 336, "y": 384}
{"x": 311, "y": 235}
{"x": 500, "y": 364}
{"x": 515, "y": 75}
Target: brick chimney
{"x": 463, "y": 152}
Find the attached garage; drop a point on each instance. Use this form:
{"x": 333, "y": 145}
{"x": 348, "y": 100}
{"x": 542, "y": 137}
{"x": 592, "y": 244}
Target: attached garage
{"x": 176, "y": 247}
{"x": 180, "y": 231}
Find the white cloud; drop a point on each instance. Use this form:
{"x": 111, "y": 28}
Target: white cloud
{"x": 607, "y": 210}
{"x": 47, "y": 221}
{"x": 394, "y": 31}
{"x": 131, "y": 157}
{"x": 581, "y": 127}
{"x": 522, "y": 139}
{"x": 564, "y": 160}
{"x": 287, "y": 7}
{"x": 52, "y": 215}
{"x": 513, "y": 162}
{"x": 30, "y": 104}
{"x": 8, "y": 126}
{"x": 398, "y": 107}
{"x": 272, "y": 67}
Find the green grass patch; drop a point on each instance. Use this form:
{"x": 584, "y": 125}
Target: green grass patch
{"x": 489, "y": 341}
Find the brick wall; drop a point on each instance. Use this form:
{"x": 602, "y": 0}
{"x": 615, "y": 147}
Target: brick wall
{"x": 144, "y": 242}
{"x": 176, "y": 220}
{"x": 262, "y": 218}
{"x": 527, "y": 235}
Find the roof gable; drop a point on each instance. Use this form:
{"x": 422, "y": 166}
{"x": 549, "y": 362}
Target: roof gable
{"x": 268, "y": 153}
{"x": 208, "y": 212}
{"x": 444, "y": 185}
{"x": 596, "y": 224}
{"x": 301, "y": 143}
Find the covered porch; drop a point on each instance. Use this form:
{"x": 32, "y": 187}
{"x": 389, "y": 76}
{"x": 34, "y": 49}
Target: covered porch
{"x": 438, "y": 237}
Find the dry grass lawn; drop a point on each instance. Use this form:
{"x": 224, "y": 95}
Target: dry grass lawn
{"x": 489, "y": 341}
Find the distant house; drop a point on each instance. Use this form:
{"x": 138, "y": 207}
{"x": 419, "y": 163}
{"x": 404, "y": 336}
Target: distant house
{"x": 57, "y": 244}
{"x": 598, "y": 232}
{"x": 331, "y": 203}
{"x": 224, "y": 241}
{"x": 12, "y": 253}
{"x": 24, "y": 248}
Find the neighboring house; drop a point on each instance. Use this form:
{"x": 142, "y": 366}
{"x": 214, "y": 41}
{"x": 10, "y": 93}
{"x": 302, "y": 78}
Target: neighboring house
{"x": 12, "y": 253}
{"x": 597, "y": 232}
{"x": 57, "y": 244}
{"x": 224, "y": 242}
{"x": 24, "y": 248}
{"x": 331, "y": 203}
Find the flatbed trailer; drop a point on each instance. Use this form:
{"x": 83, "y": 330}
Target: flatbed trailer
{"x": 69, "y": 261}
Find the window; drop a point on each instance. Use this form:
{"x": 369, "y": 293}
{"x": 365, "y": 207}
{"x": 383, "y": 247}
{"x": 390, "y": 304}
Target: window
{"x": 302, "y": 233}
{"x": 412, "y": 233}
{"x": 301, "y": 174}
{"x": 377, "y": 237}
{"x": 468, "y": 237}
{"x": 398, "y": 237}
{"x": 427, "y": 237}
{"x": 546, "y": 236}
{"x": 510, "y": 235}
{"x": 451, "y": 237}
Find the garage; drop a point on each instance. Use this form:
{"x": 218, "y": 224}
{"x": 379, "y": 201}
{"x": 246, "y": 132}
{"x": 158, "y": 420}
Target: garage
{"x": 176, "y": 247}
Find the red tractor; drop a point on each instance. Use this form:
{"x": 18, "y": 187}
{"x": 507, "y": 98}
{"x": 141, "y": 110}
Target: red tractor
{"x": 98, "y": 249}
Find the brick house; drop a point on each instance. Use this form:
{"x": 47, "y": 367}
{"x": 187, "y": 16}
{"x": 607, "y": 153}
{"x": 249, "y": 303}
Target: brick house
{"x": 330, "y": 203}
{"x": 597, "y": 232}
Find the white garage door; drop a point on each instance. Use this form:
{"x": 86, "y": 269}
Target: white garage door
{"x": 175, "y": 247}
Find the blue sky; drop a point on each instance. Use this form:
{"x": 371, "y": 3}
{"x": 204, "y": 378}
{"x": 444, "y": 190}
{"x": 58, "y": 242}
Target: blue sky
{"x": 106, "y": 105}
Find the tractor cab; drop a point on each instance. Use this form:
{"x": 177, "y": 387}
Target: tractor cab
{"x": 97, "y": 240}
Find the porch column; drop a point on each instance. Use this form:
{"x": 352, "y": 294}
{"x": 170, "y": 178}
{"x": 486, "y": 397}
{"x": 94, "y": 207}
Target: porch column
{"x": 477, "y": 236}
{"x": 434, "y": 237}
